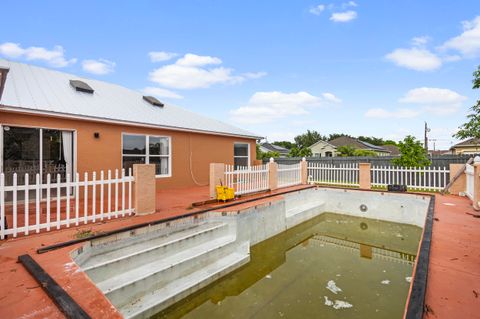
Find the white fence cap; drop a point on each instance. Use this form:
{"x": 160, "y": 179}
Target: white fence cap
{"x": 272, "y": 160}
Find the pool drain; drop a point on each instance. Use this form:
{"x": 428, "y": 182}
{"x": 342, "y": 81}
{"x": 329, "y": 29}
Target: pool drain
{"x": 363, "y": 208}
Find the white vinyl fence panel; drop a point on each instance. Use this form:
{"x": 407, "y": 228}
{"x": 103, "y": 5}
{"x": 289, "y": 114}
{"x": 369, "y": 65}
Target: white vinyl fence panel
{"x": 469, "y": 172}
{"x": 247, "y": 179}
{"x": 333, "y": 174}
{"x": 26, "y": 207}
{"x": 289, "y": 175}
{"x": 415, "y": 178}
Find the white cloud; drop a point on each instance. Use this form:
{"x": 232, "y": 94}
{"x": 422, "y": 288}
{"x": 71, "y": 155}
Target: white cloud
{"x": 383, "y": 113}
{"x": 330, "y": 97}
{"x": 99, "y": 67}
{"x": 264, "y": 107}
{"x": 435, "y": 100}
{"x": 420, "y": 41}
{"x": 159, "y": 56}
{"x": 349, "y": 4}
{"x": 317, "y": 9}
{"x": 343, "y": 16}
{"x": 468, "y": 43}
{"x": 195, "y": 71}
{"x": 415, "y": 58}
{"x": 54, "y": 57}
{"x": 254, "y": 75}
{"x": 159, "y": 92}
{"x": 190, "y": 59}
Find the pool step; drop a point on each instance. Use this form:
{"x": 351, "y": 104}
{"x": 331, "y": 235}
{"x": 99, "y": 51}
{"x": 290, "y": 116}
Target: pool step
{"x": 124, "y": 259}
{"x": 303, "y": 211}
{"x": 143, "y": 273}
{"x": 122, "y": 288}
{"x": 157, "y": 300}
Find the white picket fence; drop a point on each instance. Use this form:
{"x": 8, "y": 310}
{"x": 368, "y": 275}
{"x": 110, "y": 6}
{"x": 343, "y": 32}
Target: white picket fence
{"x": 334, "y": 174}
{"x": 63, "y": 203}
{"x": 247, "y": 179}
{"x": 469, "y": 172}
{"x": 415, "y": 178}
{"x": 289, "y": 175}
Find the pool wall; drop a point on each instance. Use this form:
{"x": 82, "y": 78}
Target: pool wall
{"x": 263, "y": 221}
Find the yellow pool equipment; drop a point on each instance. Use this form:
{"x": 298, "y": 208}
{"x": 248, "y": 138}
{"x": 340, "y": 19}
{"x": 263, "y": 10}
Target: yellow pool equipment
{"x": 225, "y": 193}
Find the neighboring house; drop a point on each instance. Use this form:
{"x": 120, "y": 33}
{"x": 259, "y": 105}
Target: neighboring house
{"x": 323, "y": 149}
{"x": 393, "y": 149}
{"x": 53, "y": 122}
{"x": 267, "y": 147}
{"x": 355, "y": 143}
{"x": 470, "y": 146}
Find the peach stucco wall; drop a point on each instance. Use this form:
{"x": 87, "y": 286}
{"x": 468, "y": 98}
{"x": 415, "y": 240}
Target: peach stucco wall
{"x": 105, "y": 152}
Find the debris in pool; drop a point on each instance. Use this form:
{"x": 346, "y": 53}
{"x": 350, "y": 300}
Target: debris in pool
{"x": 338, "y": 304}
{"x": 385, "y": 282}
{"x": 338, "y": 275}
{"x": 328, "y": 302}
{"x": 333, "y": 287}
{"x": 268, "y": 276}
{"x": 408, "y": 279}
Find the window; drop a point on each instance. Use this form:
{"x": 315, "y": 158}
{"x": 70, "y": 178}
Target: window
{"x": 146, "y": 149}
{"x": 36, "y": 151}
{"x": 241, "y": 154}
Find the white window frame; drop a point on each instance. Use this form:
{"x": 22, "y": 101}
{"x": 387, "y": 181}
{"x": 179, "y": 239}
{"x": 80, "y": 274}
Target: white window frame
{"x": 242, "y": 156}
{"x": 147, "y": 151}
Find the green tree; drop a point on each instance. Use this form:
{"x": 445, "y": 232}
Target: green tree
{"x": 346, "y": 150}
{"x": 390, "y": 142}
{"x": 358, "y": 152}
{"x": 472, "y": 127}
{"x": 412, "y": 153}
{"x": 308, "y": 139}
{"x": 300, "y": 152}
{"x": 286, "y": 144}
{"x": 335, "y": 135}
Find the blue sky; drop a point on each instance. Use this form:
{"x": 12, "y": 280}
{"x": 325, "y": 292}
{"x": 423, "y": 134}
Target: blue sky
{"x": 276, "y": 68}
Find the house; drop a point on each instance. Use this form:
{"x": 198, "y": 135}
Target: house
{"x": 267, "y": 147}
{"x": 393, "y": 149}
{"x": 323, "y": 149}
{"x": 470, "y": 146}
{"x": 54, "y": 122}
{"x": 356, "y": 143}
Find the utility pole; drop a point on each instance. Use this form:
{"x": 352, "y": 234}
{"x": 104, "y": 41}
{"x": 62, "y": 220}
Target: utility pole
{"x": 427, "y": 129}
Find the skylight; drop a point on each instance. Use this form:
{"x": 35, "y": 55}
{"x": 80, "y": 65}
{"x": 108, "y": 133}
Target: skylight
{"x": 153, "y": 100}
{"x": 81, "y": 86}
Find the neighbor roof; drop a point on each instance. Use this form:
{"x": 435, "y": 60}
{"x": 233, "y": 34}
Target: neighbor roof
{"x": 30, "y": 88}
{"x": 274, "y": 148}
{"x": 469, "y": 142}
{"x": 346, "y": 140}
{"x": 393, "y": 149}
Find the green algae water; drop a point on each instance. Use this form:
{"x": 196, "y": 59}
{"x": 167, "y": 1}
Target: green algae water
{"x": 333, "y": 266}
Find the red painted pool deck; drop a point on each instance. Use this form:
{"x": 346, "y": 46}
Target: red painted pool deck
{"x": 453, "y": 289}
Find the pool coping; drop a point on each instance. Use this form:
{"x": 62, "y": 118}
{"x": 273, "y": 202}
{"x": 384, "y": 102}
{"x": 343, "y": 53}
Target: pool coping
{"x": 414, "y": 308}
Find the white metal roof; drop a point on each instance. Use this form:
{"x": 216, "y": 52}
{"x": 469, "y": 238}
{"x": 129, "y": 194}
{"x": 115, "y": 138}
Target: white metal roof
{"x": 36, "y": 89}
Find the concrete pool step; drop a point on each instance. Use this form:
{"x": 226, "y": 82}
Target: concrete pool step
{"x": 127, "y": 244}
{"x": 159, "y": 299}
{"x": 303, "y": 211}
{"x": 121, "y": 289}
{"x": 109, "y": 264}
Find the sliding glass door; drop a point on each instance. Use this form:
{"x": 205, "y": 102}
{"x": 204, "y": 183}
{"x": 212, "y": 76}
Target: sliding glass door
{"x": 36, "y": 151}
